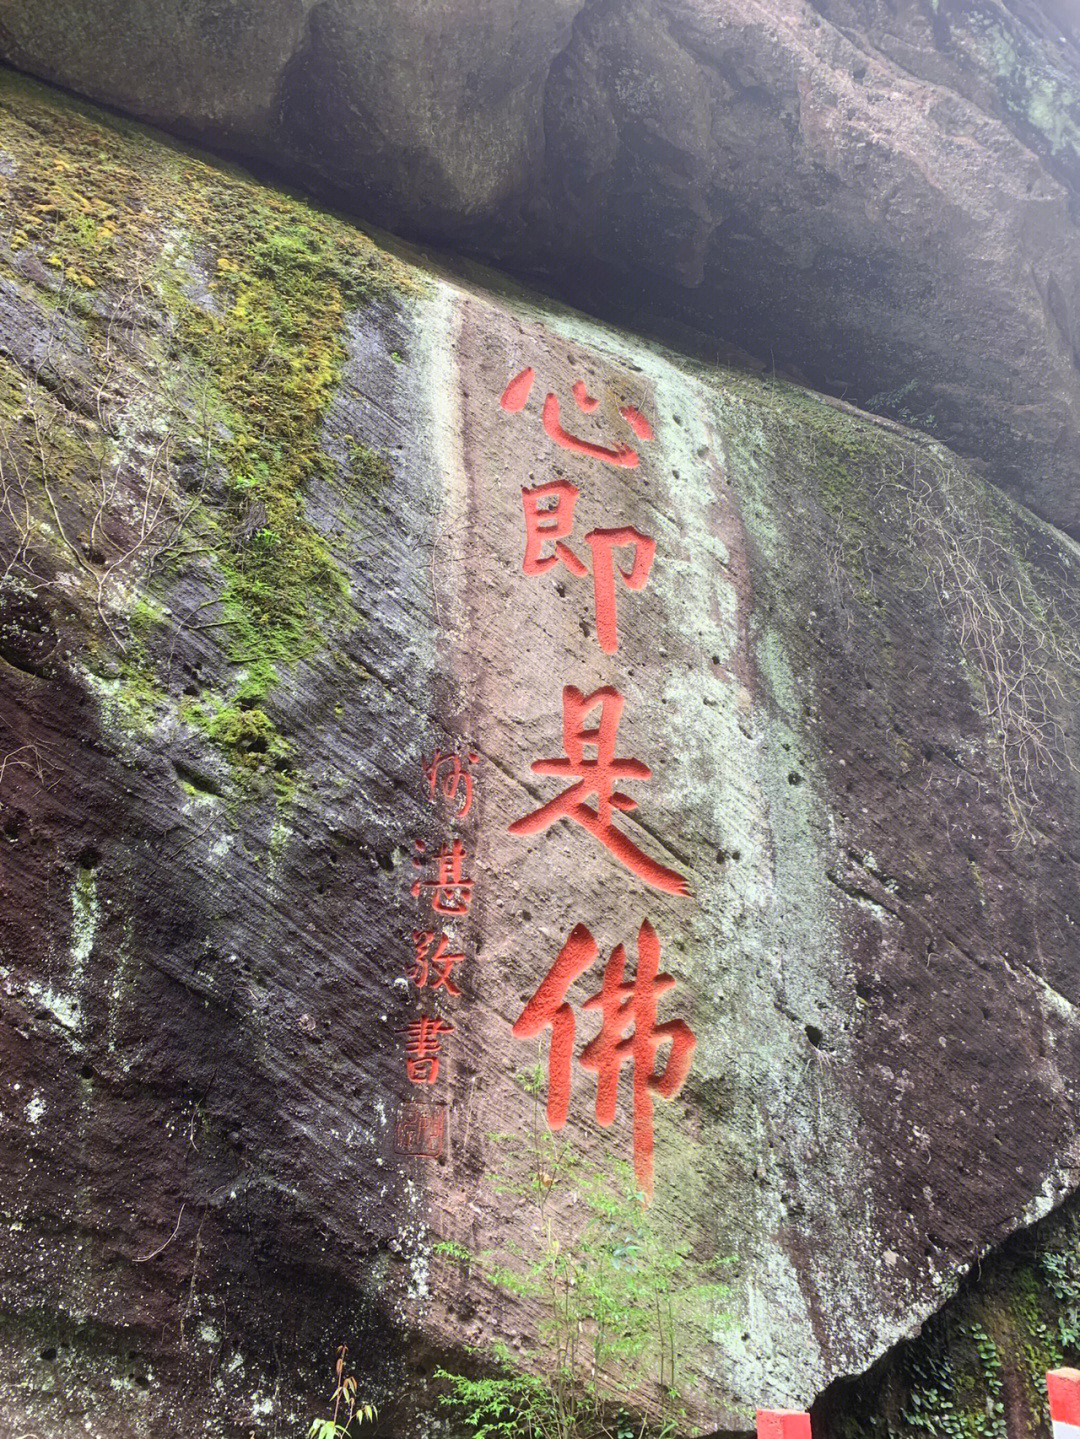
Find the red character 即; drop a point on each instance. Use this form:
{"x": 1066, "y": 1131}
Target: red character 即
{"x": 552, "y": 523}
{"x": 597, "y": 777}
{"x": 623, "y": 1006}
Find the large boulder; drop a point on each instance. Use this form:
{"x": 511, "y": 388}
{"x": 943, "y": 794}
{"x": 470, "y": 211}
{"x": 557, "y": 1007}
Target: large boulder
{"x": 879, "y": 198}
{"x": 264, "y": 541}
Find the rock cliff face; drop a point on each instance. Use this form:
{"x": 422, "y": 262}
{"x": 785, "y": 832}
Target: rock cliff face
{"x": 880, "y": 198}
{"x": 286, "y": 517}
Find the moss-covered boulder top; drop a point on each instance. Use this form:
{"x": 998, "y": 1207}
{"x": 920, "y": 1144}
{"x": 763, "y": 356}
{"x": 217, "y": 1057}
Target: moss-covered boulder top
{"x": 324, "y": 579}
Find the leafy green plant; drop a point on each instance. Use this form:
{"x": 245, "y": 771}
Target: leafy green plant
{"x": 613, "y": 1296}
{"x": 509, "y": 1405}
{"x": 897, "y": 405}
{"x": 344, "y": 1395}
{"x": 1060, "y": 1270}
{"x": 455, "y": 1253}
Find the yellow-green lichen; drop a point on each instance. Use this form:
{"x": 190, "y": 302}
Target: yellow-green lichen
{"x": 250, "y": 288}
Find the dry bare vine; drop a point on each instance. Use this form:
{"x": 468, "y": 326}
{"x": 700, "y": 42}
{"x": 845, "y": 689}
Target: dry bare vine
{"x": 1019, "y": 646}
{"x": 28, "y": 757}
{"x": 130, "y": 509}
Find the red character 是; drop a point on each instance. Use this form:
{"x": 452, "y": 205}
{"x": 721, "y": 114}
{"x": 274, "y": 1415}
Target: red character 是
{"x": 597, "y": 777}
{"x": 516, "y": 396}
{"x": 623, "y": 1007}
{"x": 422, "y": 1048}
{"x": 433, "y": 970}
{"x": 451, "y": 891}
{"x": 455, "y": 777}
{"x": 552, "y": 523}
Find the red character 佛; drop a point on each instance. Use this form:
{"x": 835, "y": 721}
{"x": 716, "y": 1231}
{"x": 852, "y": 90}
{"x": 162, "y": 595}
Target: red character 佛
{"x": 516, "y": 396}
{"x": 549, "y": 520}
{"x": 629, "y": 1034}
{"x": 597, "y": 777}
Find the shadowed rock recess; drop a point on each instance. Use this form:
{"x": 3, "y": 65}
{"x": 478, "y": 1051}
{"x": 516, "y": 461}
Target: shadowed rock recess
{"x": 879, "y": 199}
{"x": 262, "y": 529}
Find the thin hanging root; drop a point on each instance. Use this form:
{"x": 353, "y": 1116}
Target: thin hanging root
{"x": 1019, "y": 646}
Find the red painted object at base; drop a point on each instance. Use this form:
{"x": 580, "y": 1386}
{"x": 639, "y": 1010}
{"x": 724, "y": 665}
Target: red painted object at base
{"x": 1063, "y": 1387}
{"x": 783, "y": 1424}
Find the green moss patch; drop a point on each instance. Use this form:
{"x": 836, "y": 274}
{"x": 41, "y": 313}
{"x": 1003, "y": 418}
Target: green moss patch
{"x": 249, "y": 287}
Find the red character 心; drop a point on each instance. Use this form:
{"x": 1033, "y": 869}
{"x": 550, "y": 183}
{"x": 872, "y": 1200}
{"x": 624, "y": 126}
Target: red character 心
{"x": 516, "y": 396}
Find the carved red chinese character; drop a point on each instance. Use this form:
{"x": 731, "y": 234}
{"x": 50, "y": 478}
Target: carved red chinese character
{"x": 549, "y": 1006}
{"x": 597, "y": 777}
{"x": 624, "y": 1007}
{"x": 455, "y": 777}
{"x": 516, "y": 396}
{"x": 451, "y": 891}
{"x": 432, "y": 970}
{"x": 550, "y": 524}
{"x": 420, "y": 1131}
{"x": 422, "y": 1048}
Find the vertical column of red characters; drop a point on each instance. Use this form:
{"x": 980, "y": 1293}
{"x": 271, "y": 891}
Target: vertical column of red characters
{"x": 443, "y": 890}
{"x": 618, "y": 556}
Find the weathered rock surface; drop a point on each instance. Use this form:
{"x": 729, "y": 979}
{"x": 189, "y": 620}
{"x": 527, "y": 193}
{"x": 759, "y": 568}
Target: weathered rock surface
{"x": 881, "y": 198}
{"x": 263, "y": 540}
{"x": 980, "y": 1365}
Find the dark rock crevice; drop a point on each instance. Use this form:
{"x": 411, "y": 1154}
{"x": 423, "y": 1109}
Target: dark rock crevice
{"x": 984, "y": 1354}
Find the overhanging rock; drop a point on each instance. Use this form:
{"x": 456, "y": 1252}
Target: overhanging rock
{"x": 834, "y": 670}
{"x": 880, "y": 198}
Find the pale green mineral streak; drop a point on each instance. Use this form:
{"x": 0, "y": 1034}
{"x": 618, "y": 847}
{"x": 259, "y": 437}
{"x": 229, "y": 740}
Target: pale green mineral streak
{"x": 85, "y": 917}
